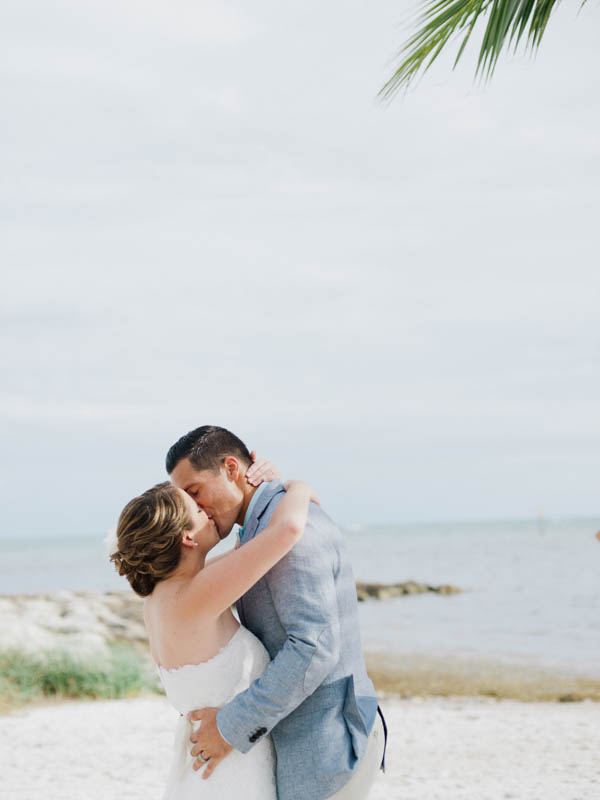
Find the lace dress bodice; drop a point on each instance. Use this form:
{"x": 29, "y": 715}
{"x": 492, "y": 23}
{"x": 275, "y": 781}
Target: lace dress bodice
{"x": 214, "y": 683}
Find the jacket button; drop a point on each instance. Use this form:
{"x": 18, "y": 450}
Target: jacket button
{"x": 257, "y": 734}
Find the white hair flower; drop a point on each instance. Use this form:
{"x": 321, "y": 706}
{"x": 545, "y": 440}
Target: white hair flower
{"x": 110, "y": 541}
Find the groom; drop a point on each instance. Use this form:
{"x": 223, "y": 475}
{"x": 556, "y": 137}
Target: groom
{"x": 315, "y": 697}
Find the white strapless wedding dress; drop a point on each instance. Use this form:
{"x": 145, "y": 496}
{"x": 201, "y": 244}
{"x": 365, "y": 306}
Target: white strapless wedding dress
{"x": 249, "y": 776}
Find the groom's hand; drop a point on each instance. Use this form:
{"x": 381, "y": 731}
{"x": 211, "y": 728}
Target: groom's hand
{"x": 208, "y": 742}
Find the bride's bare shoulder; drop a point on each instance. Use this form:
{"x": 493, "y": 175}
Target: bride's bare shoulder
{"x": 173, "y": 598}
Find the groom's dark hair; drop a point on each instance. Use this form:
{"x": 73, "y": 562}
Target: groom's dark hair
{"x": 206, "y": 448}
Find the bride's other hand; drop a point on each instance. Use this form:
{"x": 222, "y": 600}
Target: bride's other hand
{"x": 261, "y": 470}
{"x": 313, "y": 495}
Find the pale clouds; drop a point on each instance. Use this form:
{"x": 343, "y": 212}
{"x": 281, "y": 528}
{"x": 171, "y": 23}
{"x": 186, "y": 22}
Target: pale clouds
{"x": 206, "y": 216}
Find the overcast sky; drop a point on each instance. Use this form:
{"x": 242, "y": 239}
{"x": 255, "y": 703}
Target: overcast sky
{"x": 207, "y": 217}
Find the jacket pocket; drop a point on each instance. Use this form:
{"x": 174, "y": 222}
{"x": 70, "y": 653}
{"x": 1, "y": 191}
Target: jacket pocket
{"x": 316, "y": 735}
{"x": 324, "y": 697}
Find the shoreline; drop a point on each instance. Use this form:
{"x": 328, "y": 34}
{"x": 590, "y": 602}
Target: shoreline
{"x": 426, "y": 675}
{"x": 86, "y": 625}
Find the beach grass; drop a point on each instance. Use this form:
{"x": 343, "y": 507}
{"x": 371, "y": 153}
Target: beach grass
{"x": 26, "y": 678}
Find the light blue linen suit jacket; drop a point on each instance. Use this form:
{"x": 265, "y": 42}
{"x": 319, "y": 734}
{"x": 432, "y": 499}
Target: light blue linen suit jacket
{"x": 315, "y": 697}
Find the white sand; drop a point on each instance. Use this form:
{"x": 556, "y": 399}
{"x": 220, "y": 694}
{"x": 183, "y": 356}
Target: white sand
{"x": 446, "y": 748}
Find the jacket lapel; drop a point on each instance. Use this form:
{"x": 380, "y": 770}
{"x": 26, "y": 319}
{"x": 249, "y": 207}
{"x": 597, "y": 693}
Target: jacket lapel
{"x": 251, "y": 526}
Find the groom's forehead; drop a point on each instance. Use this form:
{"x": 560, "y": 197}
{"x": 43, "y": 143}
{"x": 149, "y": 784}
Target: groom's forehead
{"x": 190, "y": 477}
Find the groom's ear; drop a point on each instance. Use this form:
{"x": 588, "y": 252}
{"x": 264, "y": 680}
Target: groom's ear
{"x": 233, "y": 469}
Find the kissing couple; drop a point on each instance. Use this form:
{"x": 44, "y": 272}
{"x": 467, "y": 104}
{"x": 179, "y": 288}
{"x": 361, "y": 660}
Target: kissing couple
{"x": 277, "y": 706}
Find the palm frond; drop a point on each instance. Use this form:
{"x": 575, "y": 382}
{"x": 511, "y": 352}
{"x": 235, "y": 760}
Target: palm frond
{"x": 439, "y": 20}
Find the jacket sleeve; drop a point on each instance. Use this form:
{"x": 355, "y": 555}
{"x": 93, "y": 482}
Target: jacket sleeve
{"x": 302, "y": 587}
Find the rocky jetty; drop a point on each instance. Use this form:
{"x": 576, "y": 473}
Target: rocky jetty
{"x": 385, "y": 591}
{"x": 79, "y": 622}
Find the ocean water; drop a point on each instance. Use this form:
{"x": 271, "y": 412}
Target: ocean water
{"x": 531, "y": 590}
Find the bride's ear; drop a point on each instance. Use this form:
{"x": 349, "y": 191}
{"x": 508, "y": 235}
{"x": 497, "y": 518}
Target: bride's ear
{"x": 187, "y": 540}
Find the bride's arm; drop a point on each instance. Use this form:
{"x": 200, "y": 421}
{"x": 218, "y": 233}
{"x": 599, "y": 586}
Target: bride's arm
{"x": 225, "y": 580}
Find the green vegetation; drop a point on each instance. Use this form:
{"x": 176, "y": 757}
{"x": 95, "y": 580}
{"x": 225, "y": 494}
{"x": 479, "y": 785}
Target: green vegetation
{"x": 25, "y": 677}
{"x": 440, "y": 21}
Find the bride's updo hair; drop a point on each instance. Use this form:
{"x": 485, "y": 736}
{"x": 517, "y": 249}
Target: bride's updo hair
{"x": 149, "y": 534}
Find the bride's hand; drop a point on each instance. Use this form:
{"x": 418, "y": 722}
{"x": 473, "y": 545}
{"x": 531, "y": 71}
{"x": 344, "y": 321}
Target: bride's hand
{"x": 313, "y": 495}
{"x": 261, "y": 470}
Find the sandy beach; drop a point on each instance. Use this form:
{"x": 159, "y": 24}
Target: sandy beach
{"x": 440, "y": 749}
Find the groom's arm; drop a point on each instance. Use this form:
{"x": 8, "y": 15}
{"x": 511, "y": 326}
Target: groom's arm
{"x": 302, "y": 589}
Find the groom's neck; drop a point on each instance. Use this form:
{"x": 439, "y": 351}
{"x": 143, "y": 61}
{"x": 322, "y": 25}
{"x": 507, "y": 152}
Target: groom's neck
{"x": 248, "y": 495}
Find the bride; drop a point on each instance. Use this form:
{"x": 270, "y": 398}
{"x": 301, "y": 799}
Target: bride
{"x": 203, "y": 656}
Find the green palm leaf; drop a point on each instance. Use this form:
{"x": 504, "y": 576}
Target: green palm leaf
{"x": 439, "y": 20}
